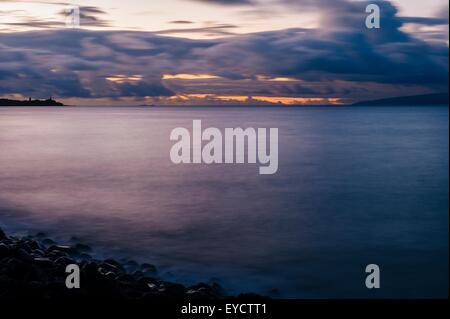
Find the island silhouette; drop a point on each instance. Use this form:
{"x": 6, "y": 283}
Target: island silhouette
{"x": 30, "y": 102}
{"x": 439, "y": 99}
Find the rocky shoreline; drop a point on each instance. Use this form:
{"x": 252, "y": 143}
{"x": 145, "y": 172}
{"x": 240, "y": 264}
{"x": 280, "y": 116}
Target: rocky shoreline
{"x": 34, "y": 267}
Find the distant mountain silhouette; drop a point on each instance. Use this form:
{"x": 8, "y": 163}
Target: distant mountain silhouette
{"x": 440, "y": 99}
{"x": 30, "y": 102}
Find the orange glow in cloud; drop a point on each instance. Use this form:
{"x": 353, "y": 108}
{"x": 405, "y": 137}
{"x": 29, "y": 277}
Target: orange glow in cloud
{"x": 186, "y": 76}
{"x": 265, "y": 99}
{"x": 297, "y": 100}
{"x": 190, "y": 77}
{"x": 124, "y": 78}
{"x": 276, "y": 79}
{"x": 233, "y": 98}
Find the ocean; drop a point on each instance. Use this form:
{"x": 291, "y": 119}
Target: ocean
{"x": 355, "y": 186}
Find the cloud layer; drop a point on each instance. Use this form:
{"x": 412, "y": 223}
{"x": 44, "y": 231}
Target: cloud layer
{"x": 340, "y": 59}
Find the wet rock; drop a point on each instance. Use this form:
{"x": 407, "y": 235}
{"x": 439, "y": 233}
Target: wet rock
{"x": 16, "y": 268}
{"x": 106, "y": 267}
{"x": 33, "y": 245}
{"x": 56, "y": 254}
{"x": 204, "y": 291}
{"x": 113, "y": 262}
{"x": 138, "y": 274}
{"x": 125, "y": 278}
{"x": 110, "y": 276}
{"x": 85, "y": 257}
{"x": 148, "y": 269}
{"x": 131, "y": 266}
{"x": 40, "y": 235}
{"x": 64, "y": 261}
{"x": 200, "y": 294}
{"x": 103, "y": 271}
{"x": 67, "y": 250}
{"x": 90, "y": 269}
{"x": 148, "y": 284}
{"x": 43, "y": 262}
{"x": 38, "y": 253}
{"x": 83, "y": 248}
{"x": 218, "y": 290}
{"x": 48, "y": 242}
{"x": 172, "y": 289}
{"x": 23, "y": 255}
{"x": 28, "y": 269}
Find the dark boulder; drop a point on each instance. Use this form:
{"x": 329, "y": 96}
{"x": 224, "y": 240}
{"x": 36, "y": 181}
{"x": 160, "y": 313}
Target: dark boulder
{"x": 85, "y": 257}
{"x": 148, "y": 269}
{"x": 64, "y": 261}
{"x": 23, "y": 255}
{"x": 4, "y": 251}
{"x": 43, "y": 262}
{"x": 172, "y": 290}
{"x": 204, "y": 291}
{"x": 83, "y": 248}
{"x": 2, "y": 234}
{"x": 71, "y": 251}
{"x": 48, "y": 242}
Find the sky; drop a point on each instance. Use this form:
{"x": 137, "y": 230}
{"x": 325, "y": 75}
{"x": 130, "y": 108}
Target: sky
{"x": 191, "y": 52}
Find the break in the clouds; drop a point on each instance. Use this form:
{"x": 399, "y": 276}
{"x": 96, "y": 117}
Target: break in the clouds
{"x": 338, "y": 61}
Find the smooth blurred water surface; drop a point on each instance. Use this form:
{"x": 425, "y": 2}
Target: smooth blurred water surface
{"x": 355, "y": 186}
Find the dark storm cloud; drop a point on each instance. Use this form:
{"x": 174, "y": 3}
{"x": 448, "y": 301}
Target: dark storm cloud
{"x": 181, "y": 22}
{"x": 35, "y": 23}
{"x": 425, "y": 20}
{"x": 216, "y": 30}
{"x": 89, "y": 16}
{"x": 341, "y": 57}
{"x": 141, "y": 89}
